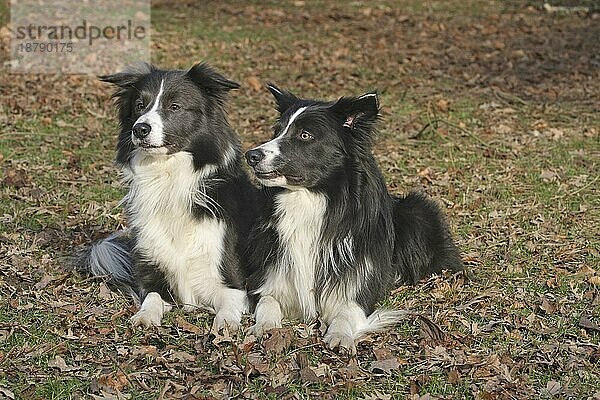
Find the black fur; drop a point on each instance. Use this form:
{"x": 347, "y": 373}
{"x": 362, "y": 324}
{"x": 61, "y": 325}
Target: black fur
{"x": 328, "y": 150}
{"x": 423, "y": 244}
{"x": 202, "y": 89}
{"x": 198, "y": 127}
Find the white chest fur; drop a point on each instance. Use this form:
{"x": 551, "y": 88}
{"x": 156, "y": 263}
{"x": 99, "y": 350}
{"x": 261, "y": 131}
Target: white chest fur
{"x": 162, "y": 189}
{"x": 292, "y": 282}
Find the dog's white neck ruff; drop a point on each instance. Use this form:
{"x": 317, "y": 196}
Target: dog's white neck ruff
{"x": 292, "y": 281}
{"x": 188, "y": 249}
{"x": 300, "y": 215}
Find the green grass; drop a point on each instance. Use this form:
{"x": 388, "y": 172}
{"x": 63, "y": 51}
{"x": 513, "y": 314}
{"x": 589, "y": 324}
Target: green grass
{"x": 523, "y": 236}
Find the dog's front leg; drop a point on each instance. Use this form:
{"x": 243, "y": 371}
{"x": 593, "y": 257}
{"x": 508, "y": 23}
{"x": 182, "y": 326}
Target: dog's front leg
{"x": 151, "y": 312}
{"x": 344, "y": 324}
{"x": 267, "y": 315}
{"x": 229, "y": 306}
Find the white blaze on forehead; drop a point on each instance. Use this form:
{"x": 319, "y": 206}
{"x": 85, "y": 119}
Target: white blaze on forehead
{"x": 271, "y": 149}
{"x": 152, "y": 118}
{"x": 292, "y": 119}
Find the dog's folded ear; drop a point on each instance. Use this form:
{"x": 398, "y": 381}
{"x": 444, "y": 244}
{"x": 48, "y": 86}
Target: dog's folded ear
{"x": 210, "y": 80}
{"x": 284, "y": 98}
{"x": 129, "y": 76}
{"x": 358, "y": 116}
{"x": 357, "y": 112}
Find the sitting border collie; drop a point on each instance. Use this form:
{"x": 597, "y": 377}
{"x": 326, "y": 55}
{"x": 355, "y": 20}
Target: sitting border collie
{"x": 332, "y": 241}
{"x": 189, "y": 204}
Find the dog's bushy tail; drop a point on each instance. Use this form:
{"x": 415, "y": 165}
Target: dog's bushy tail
{"x": 382, "y": 319}
{"x": 112, "y": 258}
{"x": 423, "y": 243}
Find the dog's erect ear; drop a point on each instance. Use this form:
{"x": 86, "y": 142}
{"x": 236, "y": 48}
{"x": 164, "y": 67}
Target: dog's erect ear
{"x": 128, "y": 77}
{"x": 357, "y": 112}
{"x": 284, "y": 98}
{"x": 209, "y": 79}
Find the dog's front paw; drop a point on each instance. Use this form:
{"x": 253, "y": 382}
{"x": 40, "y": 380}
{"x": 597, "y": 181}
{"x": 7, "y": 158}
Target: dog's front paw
{"x": 261, "y": 327}
{"x": 341, "y": 341}
{"x": 146, "y": 318}
{"x": 267, "y": 316}
{"x": 226, "y": 320}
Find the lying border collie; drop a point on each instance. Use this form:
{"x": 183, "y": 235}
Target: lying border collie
{"x": 333, "y": 242}
{"x": 189, "y": 203}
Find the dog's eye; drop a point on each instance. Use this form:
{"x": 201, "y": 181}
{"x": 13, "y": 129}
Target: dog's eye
{"x": 139, "y": 105}
{"x": 175, "y": 107}
{"x": 305, "y": 136}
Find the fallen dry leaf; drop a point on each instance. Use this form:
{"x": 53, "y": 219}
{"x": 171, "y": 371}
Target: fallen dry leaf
{"x": 104, "y": 293}
{"x": 16, "y": 178}
{"x": 547, "y": 175}
{"x": 188, "y": 327}
{"x": 302, "y": 360}
{"x": 59, "y": 362}
{"x": 258, "y": 363}
{"x": 254, "y": 83}
{"x": 279, "y": 340}
{"x": 7, "y": 393}
{"x": 594, "y": 280}
{"x": 548, "y": 307}
{"x": 46, "y": 279}
{"x": 382, "y": 353}
{"x": 502, "y": 129}
{"x": 351, "y": 371}
{"x": 307, "y": 375}
{"x": 377, "y": 395}
{"x": 430, "y": 331}
{"x": 145, "y": 350}
{"x": 442, "y": 105}
{"x": 553, "y": 388}
{"x": 453, "y": 376}
{"x": 182, "y": 356}
{"x": 587, "y": 324}
{"x": 114, "y": 381}
{"x": 386, "y": 366}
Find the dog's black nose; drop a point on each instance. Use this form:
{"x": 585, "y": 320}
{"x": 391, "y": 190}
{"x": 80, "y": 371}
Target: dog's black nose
{"x": 254, "y": 156}
{"x": 141, "y": 130}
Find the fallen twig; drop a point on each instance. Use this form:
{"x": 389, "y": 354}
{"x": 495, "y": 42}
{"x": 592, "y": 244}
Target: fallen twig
{"x": 453, "y": 125}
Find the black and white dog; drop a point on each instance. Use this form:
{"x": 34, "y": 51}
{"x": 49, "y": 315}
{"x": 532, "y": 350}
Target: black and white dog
{"x": 189, "y": 204}
{"x": 332, "y": 241}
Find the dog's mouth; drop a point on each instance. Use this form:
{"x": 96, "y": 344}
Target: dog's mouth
{"x": 274, "y": 174}
{"x": 146, "y": 144}
{"x": 267, "y": 175}
{"x": 143, "y": 145}
{"x": 149, "y": 146}
{"x": 151, "y": 150}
